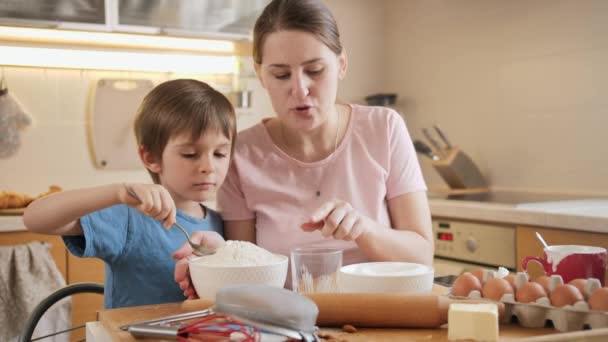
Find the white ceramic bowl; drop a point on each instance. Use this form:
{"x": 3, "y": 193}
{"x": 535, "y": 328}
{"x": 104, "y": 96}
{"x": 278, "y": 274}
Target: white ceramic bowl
{"x": 386, "y": 277}
{"x": 208, "y": 278}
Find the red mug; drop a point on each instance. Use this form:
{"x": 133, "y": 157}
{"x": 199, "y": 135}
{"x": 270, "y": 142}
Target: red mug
{"x": 572, "y": 262}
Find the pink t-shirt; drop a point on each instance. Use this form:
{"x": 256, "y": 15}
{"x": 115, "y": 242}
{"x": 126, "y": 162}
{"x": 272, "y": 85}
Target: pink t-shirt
{"x": 374, "y": 162}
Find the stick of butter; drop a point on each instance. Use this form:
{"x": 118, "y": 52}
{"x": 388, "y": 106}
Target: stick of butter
{"x": 473, "y": 321}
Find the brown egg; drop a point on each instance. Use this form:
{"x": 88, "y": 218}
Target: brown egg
{"x": 464, "y": 284}
{"x": 580, "y": 284}
{"x": 530, "y": 292}
{"x": 495, "y": 288}
{"x": 565, "y": 295}
{"x": 599, "y": 299}
{"x": 543, "y": 281}
{"x": 479, "y": 274}
{"x": 511, "y": 279}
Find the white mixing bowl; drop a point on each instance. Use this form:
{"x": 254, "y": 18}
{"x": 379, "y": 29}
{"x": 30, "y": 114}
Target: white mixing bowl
{"x": 208, "y": 278}
{"x": 386, "y": 277}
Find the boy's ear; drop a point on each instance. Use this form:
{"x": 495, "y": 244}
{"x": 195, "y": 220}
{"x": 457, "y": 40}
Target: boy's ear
{"x": 150, "y": 161}
{"x": 258, "y": 72}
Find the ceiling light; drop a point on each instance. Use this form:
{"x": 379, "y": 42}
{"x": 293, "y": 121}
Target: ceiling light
{"x": 116, "y": 60}
{"x": 118, "y": 40}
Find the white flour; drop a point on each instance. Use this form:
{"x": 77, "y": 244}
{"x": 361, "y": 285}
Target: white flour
{"x": 239, "y": 253}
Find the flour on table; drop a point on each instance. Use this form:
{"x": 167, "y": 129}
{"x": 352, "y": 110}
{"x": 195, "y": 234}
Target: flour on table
{"x": 239, "y": 253}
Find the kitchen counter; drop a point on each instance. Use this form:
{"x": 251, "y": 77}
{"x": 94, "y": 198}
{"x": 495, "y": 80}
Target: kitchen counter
{"x": 11, "y": 223}
{"x": 582, "y": 215}
{"x": 107, "y": 328}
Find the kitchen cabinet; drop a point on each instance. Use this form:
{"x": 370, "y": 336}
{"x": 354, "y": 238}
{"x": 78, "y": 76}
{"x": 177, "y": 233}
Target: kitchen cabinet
{"x": 210, "y": 18}
{"x": 84, "y": 14}
{"x": 74, "y": 270}
{"x": 225, "y": 19}
{"x": 85, "y": 305}
{"x": 58, "y": 251}
{"x": 527, "y": 243}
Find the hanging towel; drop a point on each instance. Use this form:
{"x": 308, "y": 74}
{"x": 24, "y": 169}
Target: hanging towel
{"x": 12, "y": 120}
{"x": 27, "y": 276}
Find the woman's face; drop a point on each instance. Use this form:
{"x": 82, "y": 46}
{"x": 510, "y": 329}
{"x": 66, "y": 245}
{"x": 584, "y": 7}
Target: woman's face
{"x": 301, "y": 76}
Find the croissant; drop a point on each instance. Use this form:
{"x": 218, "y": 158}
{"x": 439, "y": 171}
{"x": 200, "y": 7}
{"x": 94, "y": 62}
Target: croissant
{"x": 52, "y": 189}
{"x": 13, "y": 200}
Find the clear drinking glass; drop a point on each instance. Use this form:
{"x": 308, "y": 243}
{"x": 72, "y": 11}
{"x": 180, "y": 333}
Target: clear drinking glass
{"x": 315, "y": 269}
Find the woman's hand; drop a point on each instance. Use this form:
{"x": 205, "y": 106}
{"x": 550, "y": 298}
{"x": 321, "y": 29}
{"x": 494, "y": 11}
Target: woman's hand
{"x": 183, "y": 255}
{"x": 338, "y": 219}
{"x": 151, "y": 199}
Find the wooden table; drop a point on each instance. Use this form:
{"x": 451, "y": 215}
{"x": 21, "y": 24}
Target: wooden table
{"x": 107, "y": 328}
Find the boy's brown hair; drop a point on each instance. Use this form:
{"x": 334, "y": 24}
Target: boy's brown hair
{"x": 178, "y": 107}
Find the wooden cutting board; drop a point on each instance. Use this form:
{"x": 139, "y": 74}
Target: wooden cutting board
{"x": 114, "y": 105}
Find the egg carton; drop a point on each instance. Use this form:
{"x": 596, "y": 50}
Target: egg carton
{"x": 536, "y": 314}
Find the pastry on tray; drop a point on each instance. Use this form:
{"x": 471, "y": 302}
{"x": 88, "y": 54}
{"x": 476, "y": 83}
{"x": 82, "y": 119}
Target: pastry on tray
{"x": 14, "y": 200}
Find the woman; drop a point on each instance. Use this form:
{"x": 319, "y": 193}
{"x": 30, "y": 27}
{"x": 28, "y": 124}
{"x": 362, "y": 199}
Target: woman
{"x": 320, "y": 172}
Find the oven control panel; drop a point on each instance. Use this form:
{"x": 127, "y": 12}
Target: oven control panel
{"x": 484, "y": 243}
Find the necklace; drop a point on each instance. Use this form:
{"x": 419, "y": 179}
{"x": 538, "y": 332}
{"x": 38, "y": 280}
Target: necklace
{"x": 318, "y": 191}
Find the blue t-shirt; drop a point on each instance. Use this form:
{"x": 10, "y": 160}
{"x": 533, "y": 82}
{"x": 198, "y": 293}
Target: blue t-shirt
{"x": 137, "y": 252}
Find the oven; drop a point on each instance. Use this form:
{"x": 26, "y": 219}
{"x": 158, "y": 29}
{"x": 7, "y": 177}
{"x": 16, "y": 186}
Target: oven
{"x": 464, "y": 245}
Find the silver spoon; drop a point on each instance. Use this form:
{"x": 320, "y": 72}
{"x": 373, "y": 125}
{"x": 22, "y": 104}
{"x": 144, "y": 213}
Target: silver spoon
{"x": 540, "y": 238}
{"x": 197, "y": 249}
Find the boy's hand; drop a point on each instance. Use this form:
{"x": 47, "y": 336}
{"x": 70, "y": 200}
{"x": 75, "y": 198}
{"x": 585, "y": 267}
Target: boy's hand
{"x": 183, "y": 255}
{"x": 151, "y": 199}
{"x": 338, "y": 219}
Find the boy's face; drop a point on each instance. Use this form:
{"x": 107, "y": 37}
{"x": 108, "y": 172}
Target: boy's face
{"x": 194, "y": 170}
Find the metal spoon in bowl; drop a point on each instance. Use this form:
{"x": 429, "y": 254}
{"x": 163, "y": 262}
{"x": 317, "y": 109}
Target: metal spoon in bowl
{"x": 540, "y": 238}
{"x": 197, "y": 249}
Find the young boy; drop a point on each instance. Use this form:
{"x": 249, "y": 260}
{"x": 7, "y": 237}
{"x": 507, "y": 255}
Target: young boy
{"x": 185, "y": 131}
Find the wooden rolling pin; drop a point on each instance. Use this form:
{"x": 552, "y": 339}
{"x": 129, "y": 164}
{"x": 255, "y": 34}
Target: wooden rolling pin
{"x": 385, "y": 310}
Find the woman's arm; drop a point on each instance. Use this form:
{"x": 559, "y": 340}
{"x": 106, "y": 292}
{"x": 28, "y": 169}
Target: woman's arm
{"x": 411, "y": 238}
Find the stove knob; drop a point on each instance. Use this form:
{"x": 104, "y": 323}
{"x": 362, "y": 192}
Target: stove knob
{"x": 471, "y": 244}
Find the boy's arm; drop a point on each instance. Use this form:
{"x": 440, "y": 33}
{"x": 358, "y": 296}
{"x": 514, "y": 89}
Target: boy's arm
{"x": 59, "y": 214}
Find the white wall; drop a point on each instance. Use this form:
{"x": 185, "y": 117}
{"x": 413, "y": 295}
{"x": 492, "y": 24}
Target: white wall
{"x": 362, "y": 29}
{"x": 520, "y": 85}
